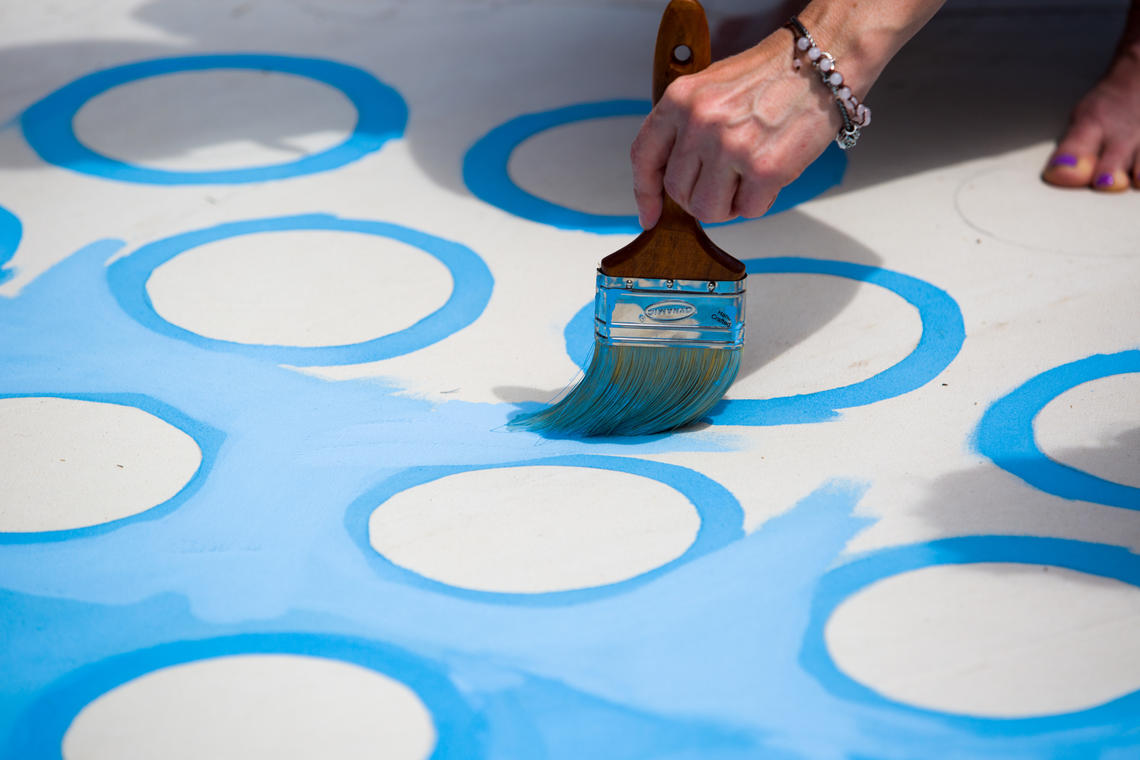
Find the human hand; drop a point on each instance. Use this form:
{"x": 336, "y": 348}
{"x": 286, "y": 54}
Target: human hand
{"x": 724, "y": 141}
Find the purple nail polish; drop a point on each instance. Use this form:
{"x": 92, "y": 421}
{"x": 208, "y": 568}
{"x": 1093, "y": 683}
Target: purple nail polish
{"x": 1105, "y": 180}
{"x": 1064, "y": 159}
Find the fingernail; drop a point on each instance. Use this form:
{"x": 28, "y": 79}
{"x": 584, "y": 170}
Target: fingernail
{"x": 1105, "y": 180}
{"x": 1064, "y": 159}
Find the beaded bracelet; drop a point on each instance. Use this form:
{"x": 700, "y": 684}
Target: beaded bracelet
{"x": 855, "y": 115}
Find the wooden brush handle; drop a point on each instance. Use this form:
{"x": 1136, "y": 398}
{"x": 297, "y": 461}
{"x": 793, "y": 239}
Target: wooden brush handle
{"x": 676, "y": 247}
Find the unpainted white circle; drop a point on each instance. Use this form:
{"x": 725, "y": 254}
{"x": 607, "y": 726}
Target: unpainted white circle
{"x": 71, "y": 464}
{"x": 1095, "y": 427}
{"x": 809, "y": 333}
{"x": 215, "y": 120}
{"x": 583, "y": 165}
{"x": 534, "y": 529}
{"x": 1009, "y": 203}
{"x": 254, "y": 707}
{"x": 300, "y": 288}
{"x": 996, "y": 640}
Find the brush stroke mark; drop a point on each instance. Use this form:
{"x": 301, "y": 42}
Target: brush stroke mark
{"x": 381, "y": 115}
{"x": 10, "y": 233}
{"x": 1118, "y": 717}
{"x": 458, "y": 729}
{"x": 720, "y": 515}
{"x": 1005, "y": 433}
{"x": 471, "y": 290}
{"x": 487, "y": 176}
{"x": 943, "y": 333}
{"x": 207, "y": 438}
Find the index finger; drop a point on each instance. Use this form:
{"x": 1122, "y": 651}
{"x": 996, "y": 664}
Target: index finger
{"x": 650, "y": 155}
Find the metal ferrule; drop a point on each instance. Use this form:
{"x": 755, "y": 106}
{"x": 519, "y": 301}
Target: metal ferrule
{"x": 697, "y": 313}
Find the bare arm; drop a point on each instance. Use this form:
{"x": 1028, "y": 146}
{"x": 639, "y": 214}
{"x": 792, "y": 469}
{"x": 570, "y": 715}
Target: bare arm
{"x": 724, "y": 141}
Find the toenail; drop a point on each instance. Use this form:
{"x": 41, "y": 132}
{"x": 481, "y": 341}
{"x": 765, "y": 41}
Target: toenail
{"x": 1105, "y": 180}
{"x": 1064, "y": 159}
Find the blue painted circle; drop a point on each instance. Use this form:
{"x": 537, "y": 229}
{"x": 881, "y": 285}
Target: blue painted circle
{"x": 48, "y": 128}
{"x": 485, "y": 170}
{"x": 10, "y": 233}
{"x": 943, "y": 333}
{"x": 460, "y": 731}
{"x": 720, "y": 514}
{"x": 472, "y": 284}
{"x": 208, "y": 439}
{"x": 845, "y": 581}
{"x": 1005, "y": 433}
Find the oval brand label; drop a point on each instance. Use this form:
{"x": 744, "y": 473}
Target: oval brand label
{"x": 670, "y": 311}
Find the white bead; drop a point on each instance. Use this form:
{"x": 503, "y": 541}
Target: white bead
{"x": 863, "y": 114}
{"x": 814, "y": 53}
{"x": 825, "y": 64}
{"x": 803, "y": 43}
{"x": 845, "y": 93}
{"x": 835, "y": 79}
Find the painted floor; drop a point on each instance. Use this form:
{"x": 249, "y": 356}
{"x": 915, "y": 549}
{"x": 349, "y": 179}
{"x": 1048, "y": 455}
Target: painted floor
{"x": 274, "y": 276}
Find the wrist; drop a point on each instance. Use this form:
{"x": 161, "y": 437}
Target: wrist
{"x": 864, "y": 37}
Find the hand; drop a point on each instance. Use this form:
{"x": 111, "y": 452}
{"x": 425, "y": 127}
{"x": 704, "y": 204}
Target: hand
{"x": 724, "y": 141}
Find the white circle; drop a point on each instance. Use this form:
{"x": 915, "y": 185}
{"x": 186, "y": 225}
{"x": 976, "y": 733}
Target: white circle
{"x": 1095, "y": 427}
{"x": 249, "y": 707}
{"x": 534, "y": 529}
{"x": 994, "y": 640}
{"x": 809, "y": 333}
{"x": 1012, "y": 205}
{"x": 71, "y": 464}
{"x": 215, "y": 120}
{"x": 299, "y": 288}
{"x": 584, "y": 165}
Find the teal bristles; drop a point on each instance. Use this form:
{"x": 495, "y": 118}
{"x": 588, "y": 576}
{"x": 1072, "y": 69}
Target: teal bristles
{"x": 639, "y": 390}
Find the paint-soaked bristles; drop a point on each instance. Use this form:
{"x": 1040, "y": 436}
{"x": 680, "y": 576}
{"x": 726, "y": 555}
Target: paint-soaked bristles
{"x": 639, "y": 390}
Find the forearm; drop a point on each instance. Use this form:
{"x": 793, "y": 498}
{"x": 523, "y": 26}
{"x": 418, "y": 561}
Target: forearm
{"x": 863, "y": 36}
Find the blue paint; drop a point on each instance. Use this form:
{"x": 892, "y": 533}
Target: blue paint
{"x": 10, "y": 233}
{"x": 458, "y": 728}
{"x": 1116, "y": 717}
{"x": 208, "y": 439}
{"x": 1005, "y": 433}
{"x": 943, "y": 332}
{"x": 128, "y": 277}
{"x": 48, "y": 128}
{"x": 485, "y": 170}
{"x": 720, "y": 514}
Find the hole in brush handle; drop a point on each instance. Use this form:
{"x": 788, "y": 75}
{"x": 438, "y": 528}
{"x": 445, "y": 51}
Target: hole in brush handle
{"x": 682, "y": 54}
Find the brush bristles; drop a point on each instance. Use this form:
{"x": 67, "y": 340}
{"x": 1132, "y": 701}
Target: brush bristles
{"x": 639, "y": 390}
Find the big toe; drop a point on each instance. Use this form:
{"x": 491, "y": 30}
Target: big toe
{"x": 1066, "y": 169}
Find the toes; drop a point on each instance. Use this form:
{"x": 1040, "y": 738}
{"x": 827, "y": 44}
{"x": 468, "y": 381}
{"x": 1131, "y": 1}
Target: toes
{"x": 1110, "y": 176}
{"x": 1114, "y": 181}
{"x": 1074, "y": 162}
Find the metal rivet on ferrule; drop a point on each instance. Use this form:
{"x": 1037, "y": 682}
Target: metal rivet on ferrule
{"x": 669, "y": 284}
{"x": 712, "y": 286}
{"x": 629, "y": 283}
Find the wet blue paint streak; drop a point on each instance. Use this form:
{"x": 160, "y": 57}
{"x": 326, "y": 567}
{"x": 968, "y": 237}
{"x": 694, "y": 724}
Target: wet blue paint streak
{"x": 1005, "y": 433}
{"x": 48, "y": 124}
{"x": 486, "y": 174}
{"x": 1116, "y": 717}
{"x": 720, "y": 514}
{"x": 943, "y": 332}
{"x": 128, "y": 277}
{"x": 10, "y": 233}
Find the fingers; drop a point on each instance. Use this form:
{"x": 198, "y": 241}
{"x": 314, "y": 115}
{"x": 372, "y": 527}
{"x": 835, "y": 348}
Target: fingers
{"x": 753, "y": 198}
{"x": 650, "y": 156}
{"x": 714, "y": 194}
{"x": 1074, "y": 161}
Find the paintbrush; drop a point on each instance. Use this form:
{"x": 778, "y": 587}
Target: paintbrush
{"x": 669, "y": 308}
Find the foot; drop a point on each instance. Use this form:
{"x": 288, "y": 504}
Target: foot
{"x": 1101, "y": 148}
